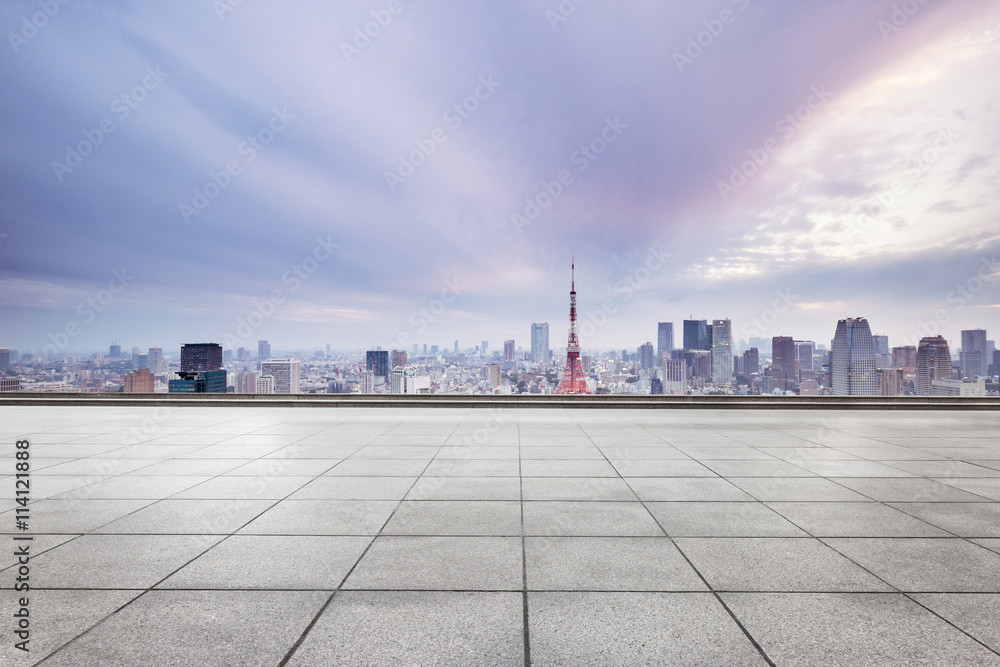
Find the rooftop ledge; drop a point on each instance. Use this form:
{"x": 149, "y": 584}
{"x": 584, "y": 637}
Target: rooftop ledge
{"x": 518, "y": 401}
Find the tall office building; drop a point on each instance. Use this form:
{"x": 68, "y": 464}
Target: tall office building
{"x": 905, "y": 357}
{"x": 456, "y": 347}
{"x": 783, "y": 363}
{"x": 805, "y": 352}
{"x": 664, "y": 340}
{"x": 156, "y": 365}
{"x": 674, "y": 376}
{"x": 367, "y": 382}
{"x": 263, "y": 350}
{"x": 974, "y": 357}
{"x": 647, "y": 356}
{"x": 933, "y": 363}
{"x": 378, "y": 362}
{"x": 483, "y": 348}
{"x": 4, "y": 359}
{"x": 722, "y": 352}
{"x": 246, "y": 383}
{"x": 264, "y": 384}
{"x": 890, "y": 381}
{"x": 696, "y": 335}
{"x": 285, "y": 373}
{"x": 883, "y": 357}
{"x": 751, "y": 361}
{"x": 540, "y": 343}
{"x": 397, "y": 358}
{"x": 406, "y": 381}
{"x": 115, "y": 351}
{"x": 139, "y": 382}
{"x": 852, "y": 361}
{"x": 508, "y": 350}
{"x": 495, "y": 375}
{"x": 197, "y": 357}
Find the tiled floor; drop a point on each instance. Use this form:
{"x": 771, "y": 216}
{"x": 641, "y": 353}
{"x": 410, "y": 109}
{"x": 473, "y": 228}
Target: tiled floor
{"x": 307, "y": 536}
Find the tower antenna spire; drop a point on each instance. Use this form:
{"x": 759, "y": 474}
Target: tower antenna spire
{"x": 573, "y": 379}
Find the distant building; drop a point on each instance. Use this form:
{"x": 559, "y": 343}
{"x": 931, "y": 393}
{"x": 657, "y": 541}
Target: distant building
{"x": 285, "y": 373}
{"x": 539, "y": 343}
{"x": 200, "y": 382}
{"x": 397, "y": 358}
{"x": 696, "y": 335}
{"x": 377, "y": 361}
{"x": 139, "y": 382}
{"x": 263, "y": 350}
{"x": 805, "y": 353}
{"x": 974, "y": 356}
{"x": 264, "y": 384}
{"x": 156, "y": 364}
{"x": 196, "y": 357}
{"x": 246, "y": 383}
{"x": 783, "y": 371}
{"x": 852, "y": 362}
{"x": 406, "y": 381}
{"x": 366, "y": 385}
{"x": 674, "y": 376}
{"x": 751, "y": 361}
{"x": 10, "y": 384}
{"x": 964, "y": 387}
{"x": 933, "y": 363}
{"x": 495, "y": 376}
{"x": 647, "y": 356}
{"x": 508, "y": 350}
{"x": 4, "y": 359}
{"x": 890, "y": 382}
{"x": 722, "y": 352}
{"x": 664, "y": 340}
{"x": 905, "y": 357}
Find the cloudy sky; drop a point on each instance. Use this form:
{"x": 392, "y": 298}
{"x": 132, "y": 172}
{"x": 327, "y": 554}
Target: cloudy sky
{"x": 384, "y": 173}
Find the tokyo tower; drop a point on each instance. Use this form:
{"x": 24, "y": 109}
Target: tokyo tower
{"x": 573, "y": 380}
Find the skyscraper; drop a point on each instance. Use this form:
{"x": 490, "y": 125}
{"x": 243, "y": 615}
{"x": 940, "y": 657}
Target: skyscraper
{"x": 285, "y": 373}
{"x": 115, "y": 351}
{"x": 664, "y": 340}
{"x": 138, "y": 382}
{"x": 197, "y": 357}
{"x": 722, "y": 352}
{"x": 883, "y": 357}
{"x": 674, "y": 376}
{"x": 696, "y": 335}
{"x": 974, "y": 357}
{"x": 378, "y": 362}
{"x": 397, "y": 358}
{"x": 540, "y": 343}
{"x": 4, "y": 359}
{"x": 647, "y": 357}
{"x": 263, "y": 350}
{"x": 508, "y": 350}
{"x": 905, "y": 357}
{"x": 933, "y": 363}
{"x": 156, "y": 365}
{"x": 852, "y": 361}
{"x": 751, "y": 361}
{"x": 783, "y": 363}
{"x": 573, "y": 380}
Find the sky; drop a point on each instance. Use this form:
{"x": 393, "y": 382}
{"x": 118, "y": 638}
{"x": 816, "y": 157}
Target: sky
{"x": 396, "y": 172}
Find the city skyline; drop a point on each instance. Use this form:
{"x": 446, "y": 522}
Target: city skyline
{"x": 432, "y": 178}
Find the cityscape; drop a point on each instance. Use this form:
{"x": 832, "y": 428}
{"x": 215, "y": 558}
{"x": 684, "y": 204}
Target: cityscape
{"x": 703, "y": 358}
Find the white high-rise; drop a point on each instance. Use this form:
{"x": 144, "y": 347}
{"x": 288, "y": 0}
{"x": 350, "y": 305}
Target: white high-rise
{"x": 285, "y": 373}
{"x": 722, "y": 352}
{"x": 852, "y": 361}
{"x": 540, "y": 343}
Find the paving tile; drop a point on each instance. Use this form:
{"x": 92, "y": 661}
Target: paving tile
{"x": 322, "y": 517}
{"x": 854, "y": 469}
{"x": 992, "y": 545}
{"x": 483, "y": 468}
{"x": 962, "y": 519}
{"x": 567, "y": 468}
{"x": 661, "y": 468}
{"x": 908, "y": 489}
{"x": 378, "y": 468}
{"x": 635, "y": 629}
{"x": 355, "y": 488}
{"x": 383, "y": 452}
{"x": 852, "y": 629}
{"x": 926, "y": 565}
{"x": 797, "y": 454}
{"x": 183, "y": 467}
{"x": 736, "y": 452}
{"x": 136, "y": 487}
{"x": 720, "y": 519}
{"x": 854, "y": 520}
{"x": 588, "y": 519}
{"x": 283, "y": 467}
{"x": 192, "y": 517}
{"x": 686, "y": 488}
{"x": 775, "y": 564}
{"x": 987, "y": 488}
{"x": 572, "y": 488}
{"x": 773, "y": 468}
{"x": 625, "y": 453}
{"x": 68, "y": 515}
{"x": 440, "y": 563}
{"x": 118, "y": 561}
{"x": 945, "y": 469}
{"x": 416, "y": 628}
{"x": 466, "y": 488}
{"x": 197, "y": 628}
{"x": 455, "y": 517}
{"x": 974, "y": 613}
{"x": 796, "y": 489}
{"x": 608, "y": 564}
{"x": 272, "y": 562}
{"x": 59, "y": 616}
{"x": 476, "y": 453}
{"x": 244, "y": 488}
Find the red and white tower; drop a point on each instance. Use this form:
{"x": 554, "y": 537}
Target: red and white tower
{"x": 573, "y": 380}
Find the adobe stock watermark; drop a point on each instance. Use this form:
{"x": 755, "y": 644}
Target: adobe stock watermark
{"x": 786, "y": 126}
{"x": 562, "y": 12}
{"x": 88, "y": 310}
{"x": 248, "y": 150}
{"x": 421, "y": 318}
{"x": 264, "y": 309}
{"x": 31, "y": 24}
{"x": 364, "y": 34}
{"x": 454, "y": 117}
{"x": 757, "y": 326}
{"x": 224, "y": 7}
{"x": 696, "y": 44}
{"x": 915, "y": 167}
{"x": 625, "y": 289}
{"x": 581, "y": 158}
{"x": 988, "y": 271}
{"x": 122, "y": 106}
{"x": 899, "y": 17}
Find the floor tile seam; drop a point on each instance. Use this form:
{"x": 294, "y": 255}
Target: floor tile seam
{"x": 938, "y": 480}
{"x": 525, "y": 610}
{"x": 910, "y": 596}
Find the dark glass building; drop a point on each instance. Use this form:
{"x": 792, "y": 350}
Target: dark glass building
{"x": 378, "y": 361}
{"x": 696, "y": 335}
{"x": 197, "y": 357}
{"x": 205, "y": 382}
